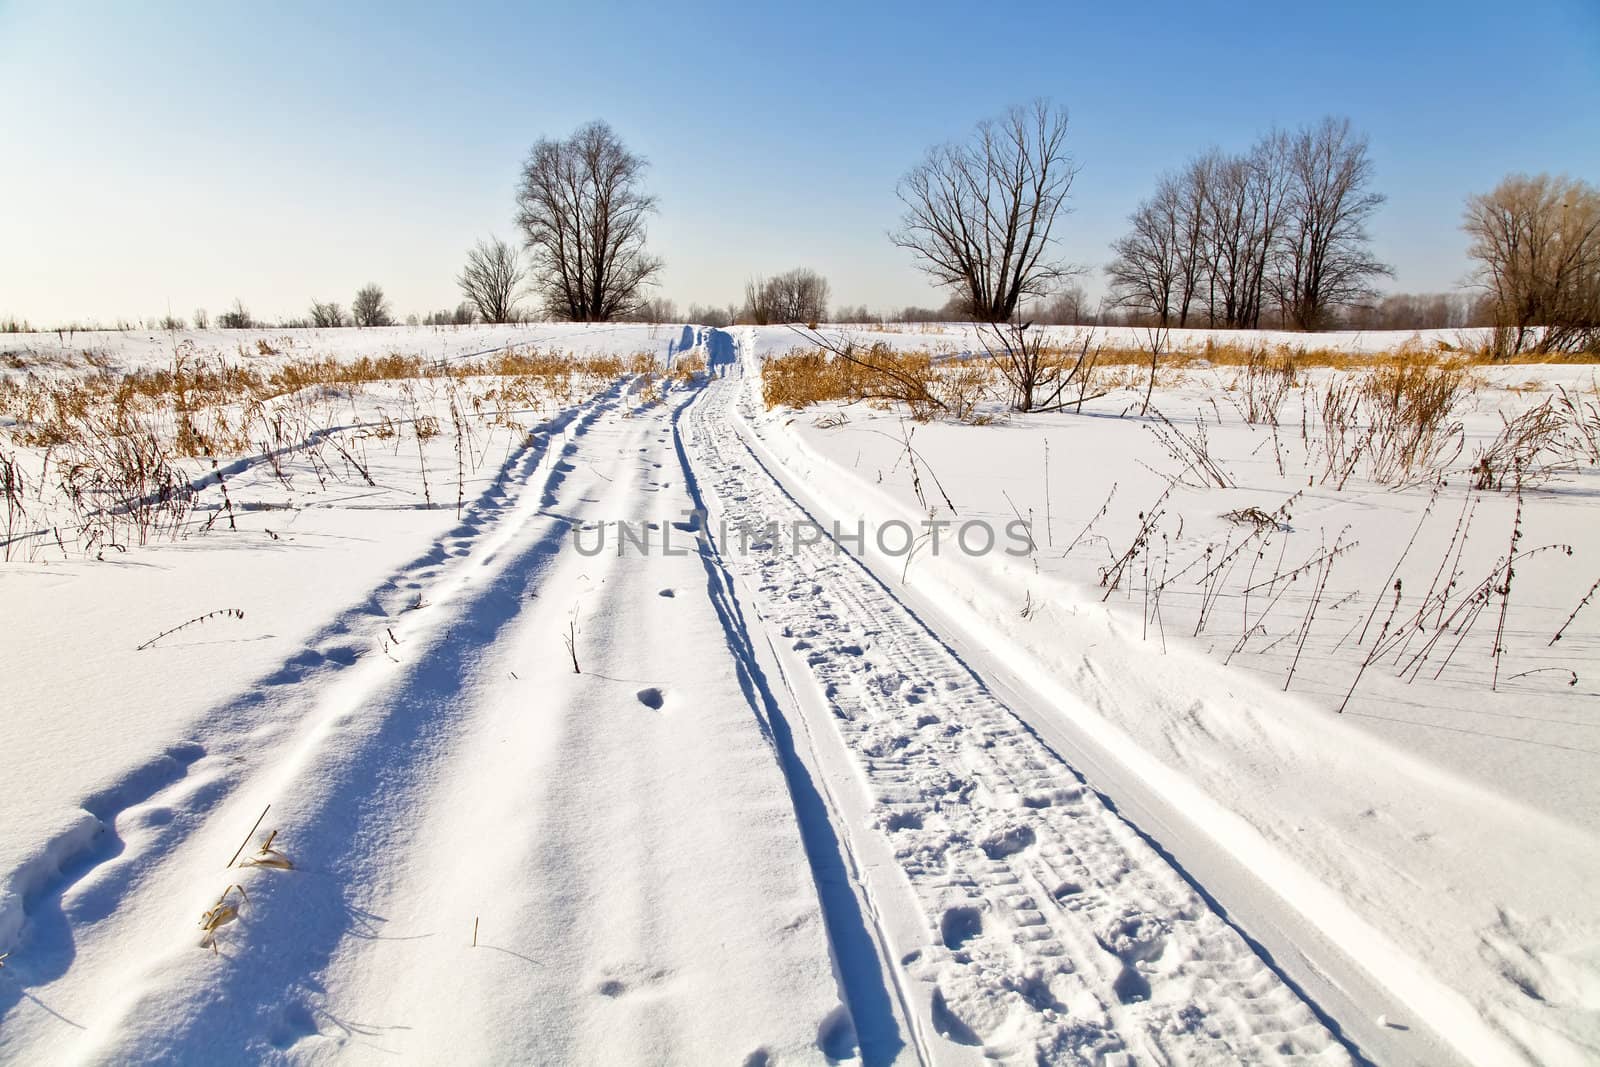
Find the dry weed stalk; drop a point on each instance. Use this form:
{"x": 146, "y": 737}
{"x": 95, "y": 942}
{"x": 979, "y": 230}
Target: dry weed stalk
{"x": 1037, "y": 374}
{"x": 1583, "y": 603}
{"x": 1191, "y": 450}
{"x": 12, "y": 489}
{"x": 1583, "y": 422}
{"x": 1112, "y": 575}
{"x": 219, "y": 915}
{"x": 267, "y": 856}
{"x": 1265, "y": 383}
{"x": 220, "y": 613}
{"x": 1531, "y": 448}
{"x": 570, "y": 639}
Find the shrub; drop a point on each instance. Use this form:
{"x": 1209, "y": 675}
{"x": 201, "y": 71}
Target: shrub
{"x": 236, "y": 318}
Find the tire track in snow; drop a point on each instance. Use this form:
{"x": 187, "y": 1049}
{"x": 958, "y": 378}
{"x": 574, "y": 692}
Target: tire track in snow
{"x": 1050, "y": 929}
{"x": 630, "y": 910}
{"x": 855, "y": 929}
{"x": 148, "y": 823}
{"x": 602, "y": 871}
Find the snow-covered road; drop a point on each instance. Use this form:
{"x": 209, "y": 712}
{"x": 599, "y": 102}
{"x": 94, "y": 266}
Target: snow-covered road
{"x": 1023, "y": 915}
{"x": 772, "y": 816}
{"x": 461, "y": 785}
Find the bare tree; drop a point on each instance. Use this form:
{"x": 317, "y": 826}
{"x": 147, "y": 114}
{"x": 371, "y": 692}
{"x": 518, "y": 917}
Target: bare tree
{"x": 327, "y": 315}
{"x": 1268, "y": 206}
{"x": 980, "y": 215}
{"x": 1537, "y": 243}
{"x": 582, "y": 208}
{"x": 1244, "y": 212}
{"x": 1149, "y": 267}
{"x": 1194, "y": 193}
{"x": 799, "y": 295}
{"x": 1414, "y": 311}
{"x": 491, "y": 278}
{"x": 201, "y": 319}
{"x": 370, "y": 308}
{"x": 755, "y": 310}
{"x": 1324, "y": 263}
{"x": 1069, "y": 306}
{"x": 1233, "y": 234}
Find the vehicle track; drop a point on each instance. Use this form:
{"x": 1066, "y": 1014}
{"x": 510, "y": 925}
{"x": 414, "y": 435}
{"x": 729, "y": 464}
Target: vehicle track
{"x": 469, "y": 822}
{"x": 1051, "y": 930}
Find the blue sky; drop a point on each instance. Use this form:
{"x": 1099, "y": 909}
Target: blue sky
{"x": 162, "y": 155}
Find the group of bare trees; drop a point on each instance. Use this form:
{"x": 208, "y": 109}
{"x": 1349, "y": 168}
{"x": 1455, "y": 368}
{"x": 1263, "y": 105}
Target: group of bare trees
{"x": 1281, "y": 227}
{"x": 582, "y": 207}
{"x": 1537, "y": 243}
{"x": 1231, "y": 238}
{"x": 369, "y": 308}
{"x": 799, "y": 295}
{"x": 1420, "y": 311}
{"x": 327, "y": 314}
{"x": 1276, "y": 234}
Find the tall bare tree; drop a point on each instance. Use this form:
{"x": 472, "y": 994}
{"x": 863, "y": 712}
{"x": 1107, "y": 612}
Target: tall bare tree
{"x": 1245, "y": 200}
{"x": 491, "y": 278}
{"x": 1537, "y": 243}
{"x": 1194, "y": 193}
{"x": 582, "y": 208}
{"x": 1268, "y": 200}
{"x": 1148, "y": 269}
{"x": 370, "y": 307}
{"x": 980, "y": 215}
{"x": 755, "y": 310}
{"x": 1325, "y": 263}
{"x": 706, "y": 315}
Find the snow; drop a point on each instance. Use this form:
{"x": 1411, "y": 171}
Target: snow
{"x": 129, "y": 349}
{"x": 1447, "y": 835}
{"x": 796, "y": 805}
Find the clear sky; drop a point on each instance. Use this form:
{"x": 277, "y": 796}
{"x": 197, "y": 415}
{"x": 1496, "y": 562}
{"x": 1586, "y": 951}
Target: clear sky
{"x": 159, "y": 155}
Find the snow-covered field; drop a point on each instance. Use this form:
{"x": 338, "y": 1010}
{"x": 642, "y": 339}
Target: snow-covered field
{"x": 542, "y": 718}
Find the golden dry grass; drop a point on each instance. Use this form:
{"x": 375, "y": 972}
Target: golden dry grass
{"x": 686, "y": 369}
{"x": 210, "y": 402}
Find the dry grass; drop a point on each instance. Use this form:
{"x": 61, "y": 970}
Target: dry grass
{"x": 801, "y": 379}
{"x": 1527, "y": 451}
{"x": 105, "y": 453}
{"x": 686, "y": 369}
{"x": 1395, "y": 421}
{"x": 1302, "y": 357}
{"x": 219, "y": 915}
{"x": 927, "y": 386}
{"x": 1264, "y": 384}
